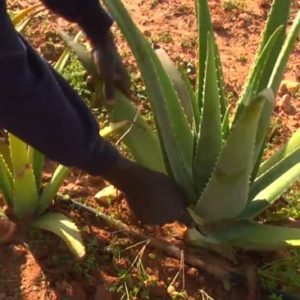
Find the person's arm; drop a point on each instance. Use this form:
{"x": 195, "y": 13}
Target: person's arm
{"x": 37, "y": 105}
{"x": 96, "y": 23}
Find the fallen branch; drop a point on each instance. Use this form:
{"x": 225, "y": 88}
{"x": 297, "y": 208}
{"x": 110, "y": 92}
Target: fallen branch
{"x": 212, "y": 265}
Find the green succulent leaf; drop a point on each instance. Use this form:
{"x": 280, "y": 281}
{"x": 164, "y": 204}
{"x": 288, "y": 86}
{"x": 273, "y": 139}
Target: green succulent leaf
{"x": 279, "y": 181}
{"x": 285, "y": 51}
{"x": 114, "y": 128}
{"x": 257, "y": 75}
{"x": 64, "y": 228}
{"x": 205, "y": 27}
{"x": 192, "y": 96}
{"x": 6, "y": 181}
{"x": 86, "y": 60}
{"x": 179, "y": 84}
{"x": 63, "y": 59}
{"x": 22, "y": 19}
{"x": 81, "y": 52}
{"x": 5, "y": 152}
{"x": 221, "y": 83}
{"x": 278, "y": 18}
{"x": 226, "y": 194}
{"x": 284, "y": 151}
{"x": 25, "y": 195}
{"x": 141, "y": 140}
{"x": 278, "y": 165}
{"x": 274, "y": 82}
{"x": 274, "y": 173}
{"x": 175, "y": 134}
{"x": 251, "y": 235}
{"x": 209, "y": 140}
{"x": 226, "y": 124}
{"x": 23, "y": 14}
{"x": 52, "y": 188}
{"x": 37, "y": 160}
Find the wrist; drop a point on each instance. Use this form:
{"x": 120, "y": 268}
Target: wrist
{"x": 95, "y": 24}
{"x": 104, "y": 158}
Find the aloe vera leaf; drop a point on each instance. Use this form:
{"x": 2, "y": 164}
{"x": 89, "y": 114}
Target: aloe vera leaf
{"x": 141, "y": 140}
{"x": 292, "y": 145}
{"x": 226, "y": 194}
{"x": 204, "y": 27}
{"x": 179, "y": 84}
{"x": 175, "y": 135}
{"x": 52, "y": 188}
{"x": 23, "y": 14}
{"x": 209, "y": 141}
{"x": 274, "y": 190}
{"x": 37, "y": 160}
{"x": 64, "y": 228}
{"x": 251, "y": 235}
{"x": 274, "y": 83}
{"x": 6, "y": 181}
{"x": 25, "y": 195}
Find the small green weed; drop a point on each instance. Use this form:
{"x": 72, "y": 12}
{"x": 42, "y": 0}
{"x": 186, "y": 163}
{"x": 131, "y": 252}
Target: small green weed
{"x": 153, "y": 4}
{"x": 283, "y": 274}
{"x": 183, "y": 10}
{"x": 74, "y": 73}
{"x": 90, "y": 262}
{"x": 134, "y": 282}
{"x": 291, "y": 206}
{"x": 188, "y": 44}
{"x": 165, "y": 37}
{"x": 229, "y": 5}
{"x": 242, "y": 59}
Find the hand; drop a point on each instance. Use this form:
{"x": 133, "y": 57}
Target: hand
{"x": 110, "y": 68}
{"x": 96, "y": 23}
{"x": 153, "y": 197}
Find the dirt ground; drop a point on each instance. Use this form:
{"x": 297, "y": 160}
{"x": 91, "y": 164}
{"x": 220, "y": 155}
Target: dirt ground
{"x": 38, "y": 266}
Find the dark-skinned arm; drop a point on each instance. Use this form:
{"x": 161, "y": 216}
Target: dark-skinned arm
{"x": 96, "y": 23}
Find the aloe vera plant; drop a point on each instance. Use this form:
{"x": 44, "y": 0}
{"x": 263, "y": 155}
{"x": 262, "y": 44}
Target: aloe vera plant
{"x": 218, "y": 162}
{"x": 20, "y": 184}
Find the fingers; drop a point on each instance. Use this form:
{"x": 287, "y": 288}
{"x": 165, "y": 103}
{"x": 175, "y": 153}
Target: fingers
{"x": 111, "y": 69}
{"x": 105, "y": 62}
{"x": 122, "y": 79}
{"x": 158, "y": 208}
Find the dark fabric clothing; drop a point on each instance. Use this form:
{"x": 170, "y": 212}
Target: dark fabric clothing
{"x": 41, "y": 108}
{"x": 88, "y": 14}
